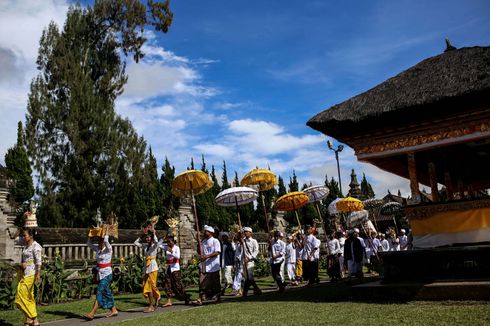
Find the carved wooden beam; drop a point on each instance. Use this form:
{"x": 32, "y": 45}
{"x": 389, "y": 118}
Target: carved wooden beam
{"x": 412, "y": 172}
{"x": 433, "y": 181}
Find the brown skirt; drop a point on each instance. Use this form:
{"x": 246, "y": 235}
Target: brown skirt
{"x": 173, "y": 285}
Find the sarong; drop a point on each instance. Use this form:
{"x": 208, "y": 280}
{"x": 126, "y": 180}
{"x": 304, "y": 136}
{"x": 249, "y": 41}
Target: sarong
{"x": 299, "y": 268}
{"x": 24, "y": 299}
{"x": 104, "y": 294}
{"x": 173, "y": 285}
{"x": 291, "y": 271}
{"x": 209, "y": 284}
{"x": 150, "y": 285}
{"x": 333, "y": 266}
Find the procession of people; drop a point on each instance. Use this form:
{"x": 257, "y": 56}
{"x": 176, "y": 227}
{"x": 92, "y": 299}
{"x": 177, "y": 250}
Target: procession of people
{"x": 226, "y": 260}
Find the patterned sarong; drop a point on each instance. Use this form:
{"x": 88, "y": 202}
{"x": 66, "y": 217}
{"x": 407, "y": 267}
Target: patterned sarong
{"x": 24, "y": 299}
{"x": 173, "y": 285}
{"x": 104, "y": 294}
{"x": 150, "y": 285}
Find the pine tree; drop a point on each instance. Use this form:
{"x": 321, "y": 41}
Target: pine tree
{"x": 366, "y": 189}
{"x": 224, "y": 178}
{"x": 281, "y": 187}
{"x": 19, "y": 169}
{"x": 236, "y": 181}
{"x": 192, "y": 164}
{"x": 86, "y": 155}
{"x": 293, "y": 183}
{"x": 203, "y": 165}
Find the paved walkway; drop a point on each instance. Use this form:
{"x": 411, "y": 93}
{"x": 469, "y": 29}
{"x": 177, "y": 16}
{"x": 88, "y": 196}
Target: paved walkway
{"x": 136, "y": 313}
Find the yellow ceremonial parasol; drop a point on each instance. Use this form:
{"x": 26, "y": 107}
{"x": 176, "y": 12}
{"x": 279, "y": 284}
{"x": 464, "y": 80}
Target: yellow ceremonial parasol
{"x": 265, "y": 180}
{"x": 192, "y": 182}
{"x": 292, "y": 201}
{"x": 349, "y": 204}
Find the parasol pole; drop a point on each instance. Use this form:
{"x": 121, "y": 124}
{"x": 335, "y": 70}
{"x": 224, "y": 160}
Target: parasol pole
{"x": 377, "y": 211}
{"x": 265, "y": 210}
{"x": 203, "y": 267}
{"x": 245, "y": 270}
{"x": 297, "y": 216}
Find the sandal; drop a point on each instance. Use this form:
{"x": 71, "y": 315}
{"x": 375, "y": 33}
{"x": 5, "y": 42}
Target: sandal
{"x": 88, "y": 317}
{"x": 197, "y": 303}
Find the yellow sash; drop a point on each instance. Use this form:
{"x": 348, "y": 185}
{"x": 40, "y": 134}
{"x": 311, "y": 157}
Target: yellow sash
{"x": 149, "y": 259}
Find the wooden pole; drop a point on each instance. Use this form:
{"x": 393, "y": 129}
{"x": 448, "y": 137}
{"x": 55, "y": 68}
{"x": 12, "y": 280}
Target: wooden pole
{"x": 412, "y": 172}
{"x": 203, "y": 265}
{"x": 244, "y": 264}
{"x": 433, "y": 181}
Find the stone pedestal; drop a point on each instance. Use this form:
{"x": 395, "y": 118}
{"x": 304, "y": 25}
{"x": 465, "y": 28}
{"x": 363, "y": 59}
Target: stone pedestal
{"x": 7, "y": 217}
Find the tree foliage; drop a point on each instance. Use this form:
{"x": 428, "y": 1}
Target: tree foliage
{"x": 85, "y": 154}
{"x": 19, "y": 169}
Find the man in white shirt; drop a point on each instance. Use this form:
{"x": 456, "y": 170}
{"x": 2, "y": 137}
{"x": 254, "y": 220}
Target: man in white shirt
{"x": 277, "y": 251}
{"x": 333, "y": 252}
{"x": 209, "y": 285}
{"x": 311, "y": 254}
{"x": 403, "y": 240}
{"x": 291, "y": 260}
{"x": 384, "y": 244}
{"x": 250, "y": 252}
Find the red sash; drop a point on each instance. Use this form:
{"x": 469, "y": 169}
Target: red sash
{"x": 104, "y": 265}
{"x": 173, "y": 261}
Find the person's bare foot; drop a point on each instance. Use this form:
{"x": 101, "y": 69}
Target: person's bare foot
{"x": 149, "y": 309}
{"x": 89, "y": 316}
{"x": 168, "y": 304}
{"x": 113, "y": 313}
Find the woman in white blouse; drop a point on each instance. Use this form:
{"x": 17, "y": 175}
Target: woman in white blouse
{"x": 30, "y": 269}
{"x": 103, "y": 255}
{"x": 149, "y": 243}
{"x": 173, "y": 280}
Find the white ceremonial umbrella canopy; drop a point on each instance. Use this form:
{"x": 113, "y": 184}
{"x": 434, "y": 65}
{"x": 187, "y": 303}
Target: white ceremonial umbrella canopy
{"x": 332, "y": 207}
{"x": 236, "y": 196}
{"x": 317, "y": 193}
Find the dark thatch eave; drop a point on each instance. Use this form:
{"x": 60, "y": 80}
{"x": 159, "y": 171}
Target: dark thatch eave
{"x": 433, "y": 86}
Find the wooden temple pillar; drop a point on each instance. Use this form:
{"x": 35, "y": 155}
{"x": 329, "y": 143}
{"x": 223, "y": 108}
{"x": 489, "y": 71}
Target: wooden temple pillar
{"x": 412, "y": 172}
{"x": 433, "y": 182}
{"x": 449, "y": 186}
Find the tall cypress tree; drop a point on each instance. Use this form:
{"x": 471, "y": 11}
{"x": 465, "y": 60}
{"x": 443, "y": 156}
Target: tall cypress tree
{"x": 281, "y": 187}
{"x": 19, "y": 169}
{"x": 224, "y": 178}
{"x": 293, "y": 183}
{"x": 86, "y": 155}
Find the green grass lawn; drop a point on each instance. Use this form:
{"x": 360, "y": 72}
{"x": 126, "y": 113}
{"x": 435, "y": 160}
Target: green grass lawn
{"x": 320, "y": 305}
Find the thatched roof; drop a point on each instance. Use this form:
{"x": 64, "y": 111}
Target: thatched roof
{"x": 458, "y": 74}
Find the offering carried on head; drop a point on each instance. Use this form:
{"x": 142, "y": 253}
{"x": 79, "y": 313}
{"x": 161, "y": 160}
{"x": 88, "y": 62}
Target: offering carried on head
{"x": 100, "y": 229}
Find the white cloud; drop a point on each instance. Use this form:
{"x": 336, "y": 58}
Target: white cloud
{"x": 21, "y": 25}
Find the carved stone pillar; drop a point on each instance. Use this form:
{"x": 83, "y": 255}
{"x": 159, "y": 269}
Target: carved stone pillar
{"x": 186, "y": 237}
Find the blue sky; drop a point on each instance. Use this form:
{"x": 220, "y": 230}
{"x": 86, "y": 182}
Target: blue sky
{"x": 237, "y": 80}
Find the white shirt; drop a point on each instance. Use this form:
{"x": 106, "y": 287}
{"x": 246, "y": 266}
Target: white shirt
{"x": 342, "y": 244}
{"x": 172, "y": 255}
{"x": 278, "y": 248}
{"x": 403, "y": 242}
{"x": 385, "y": 245}
{"x": 210, "y": 246}
{"x": 103, "y": 256}
{"x": 333, "y": 246}
{"x": 311, "y": 248}
{"x": 31, "y": 256}
{"x": 290, "y": 253}
{"x": 251, "y": 248}
{"x": 149, "y": 251}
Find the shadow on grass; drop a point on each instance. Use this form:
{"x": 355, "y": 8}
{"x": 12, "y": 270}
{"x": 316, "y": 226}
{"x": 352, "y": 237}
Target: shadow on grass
{"x": 3, "y": 322}
{"x": 339, "y": 292}
{"x": 65, "y": 314}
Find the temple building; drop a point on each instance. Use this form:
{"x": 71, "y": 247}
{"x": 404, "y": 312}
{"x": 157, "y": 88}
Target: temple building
{"x": 431, "y": 125}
